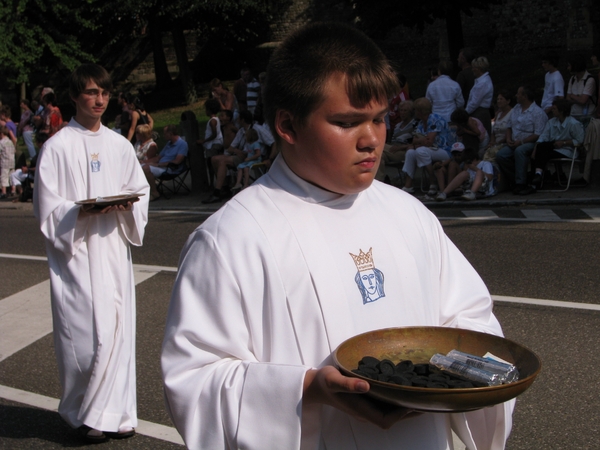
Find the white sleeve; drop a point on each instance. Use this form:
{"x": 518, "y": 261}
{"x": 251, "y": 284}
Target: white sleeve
{"x": 218, "y": 393}
{"x": 58, "y": 217}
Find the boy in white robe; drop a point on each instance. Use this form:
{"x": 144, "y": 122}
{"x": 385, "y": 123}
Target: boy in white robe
{"x": 272, "y": 283}
{"x": 91, "y": 273}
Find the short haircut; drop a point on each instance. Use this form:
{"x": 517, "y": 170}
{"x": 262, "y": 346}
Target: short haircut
{"x": 212, "y": 106}
{"x": 304, "y": 62}
{"x": 423, "y": 105}
{"x": 445, "y": 68}
{"x": 408, "y": 104}
{"x": 84, "y": 74}
{"x": 6, "y": 110}
{"x": 246, "y": 116}
{"x": 460, "y": 116}
{"x": 172, "y": 128}
{"x": 529, "y": 93}
{"x": 25, "y": 102}
{"x": 4, "y": 130}
{"x": 50, "y": 98}
{"x": 251, "y": 135}
{"x": 552, "y": 58}
{"x": 468, "y": 53}
{"x": 145, "y": 131}
{"x": 563, "y": 106}
{"x": 481, "y": 63}
{"x": 506, "y": 94}
{"x": 577, "y": 63}
{"x": 215, "y": 82}
{"x": 469, "y": 154}
{"x": 228, "y": 113}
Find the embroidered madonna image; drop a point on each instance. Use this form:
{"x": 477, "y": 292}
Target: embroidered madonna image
{"x": 368, "y": 279}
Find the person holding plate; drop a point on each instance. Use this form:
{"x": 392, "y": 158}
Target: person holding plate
{"x": 91, "y": 272}
{"x": 311, "y": 254}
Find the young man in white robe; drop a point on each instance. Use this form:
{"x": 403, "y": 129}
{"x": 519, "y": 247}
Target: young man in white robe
{"x": 91, "y": 273}
{"x": 272, "y": 283}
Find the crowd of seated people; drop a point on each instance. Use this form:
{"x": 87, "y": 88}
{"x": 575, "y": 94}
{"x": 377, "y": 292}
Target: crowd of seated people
{"x": 516, "y": 140}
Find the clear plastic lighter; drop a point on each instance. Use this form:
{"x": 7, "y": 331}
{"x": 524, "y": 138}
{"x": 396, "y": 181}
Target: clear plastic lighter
{"x": 508, "y": 372}
{"x": 464, "y": 370}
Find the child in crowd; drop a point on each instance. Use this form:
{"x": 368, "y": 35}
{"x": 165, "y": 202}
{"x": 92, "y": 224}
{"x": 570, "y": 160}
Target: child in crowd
{"x": 252, "y": 148}
{"x": 470, "y": 130}
{"x": 477, "y": 177}
{"x": 228, "y": 128}
{"x": 446, "y": 171}
{"x": 272, "y": 283}
{"x": 7, "y": 159}
{"x": 213, "y": 136}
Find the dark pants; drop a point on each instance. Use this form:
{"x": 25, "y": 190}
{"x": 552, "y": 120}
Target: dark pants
{"x": 544, "y": 152}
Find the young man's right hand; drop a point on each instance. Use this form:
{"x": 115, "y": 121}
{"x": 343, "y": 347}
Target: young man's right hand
{"x": 328, "y": 386}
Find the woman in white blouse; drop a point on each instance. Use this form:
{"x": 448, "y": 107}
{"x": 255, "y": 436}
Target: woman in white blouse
{"x": 499, "y": 125}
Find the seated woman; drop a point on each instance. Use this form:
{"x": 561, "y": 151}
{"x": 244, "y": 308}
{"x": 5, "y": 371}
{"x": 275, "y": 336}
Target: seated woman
{"x": 431, "y": 143}
{"x": 145, "y": 147}
{"x": 499, "y": 125}
{"x": 139, "y": 116}
{"x": 470, "y": 131}
{"x": 395, "y": 152}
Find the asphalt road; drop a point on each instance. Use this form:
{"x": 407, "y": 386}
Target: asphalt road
{"x": 556, "y": 260}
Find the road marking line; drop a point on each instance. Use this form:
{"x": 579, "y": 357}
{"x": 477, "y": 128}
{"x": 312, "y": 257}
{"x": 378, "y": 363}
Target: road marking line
{"x": 150, "y": 429}
{"x": 540, "y": 214}
{"x": 543, "y": 302}
{"x": 594, "y": 213}
{"x": 26, "y": 316}
{"x": 481, "y": 213}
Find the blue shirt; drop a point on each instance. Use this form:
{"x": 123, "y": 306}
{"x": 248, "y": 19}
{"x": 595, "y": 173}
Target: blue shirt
{"x": 437, "y": 124}
{"x": 570, "y": 129}
{"x": 171, "y": 150}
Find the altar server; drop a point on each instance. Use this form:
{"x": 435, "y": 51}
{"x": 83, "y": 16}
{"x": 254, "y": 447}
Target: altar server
{"x": 328, "y": 253}
{"x": 91, "y": 273}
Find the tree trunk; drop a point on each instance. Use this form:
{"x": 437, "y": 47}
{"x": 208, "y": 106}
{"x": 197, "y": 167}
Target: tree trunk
{"x": 185, "y": 74}
{"x": 455, "y": 34}
{"x": 161, "y": 71}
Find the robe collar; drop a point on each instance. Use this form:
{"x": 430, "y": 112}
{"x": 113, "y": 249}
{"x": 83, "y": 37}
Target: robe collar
{"x": 287, "y": 180}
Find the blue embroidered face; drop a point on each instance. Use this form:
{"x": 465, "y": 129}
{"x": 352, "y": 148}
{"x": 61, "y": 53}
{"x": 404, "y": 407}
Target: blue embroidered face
{"x": 368, "y": 279}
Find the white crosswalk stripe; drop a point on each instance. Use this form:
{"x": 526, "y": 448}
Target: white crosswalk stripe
{"x": 540, "y": 214}
{"x": 483, "y": 213}
{"x": 594, "y": 213}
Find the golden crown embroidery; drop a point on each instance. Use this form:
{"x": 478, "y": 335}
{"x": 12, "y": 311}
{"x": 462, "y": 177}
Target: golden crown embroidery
{"x": 95, "y": 163}
{"x": 368, "y": 279}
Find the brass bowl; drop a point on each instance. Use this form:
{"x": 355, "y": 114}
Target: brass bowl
{"x": 419, "y": 344}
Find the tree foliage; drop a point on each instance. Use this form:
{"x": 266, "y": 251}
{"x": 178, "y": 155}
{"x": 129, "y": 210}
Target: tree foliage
{"x": 41, "y": 34}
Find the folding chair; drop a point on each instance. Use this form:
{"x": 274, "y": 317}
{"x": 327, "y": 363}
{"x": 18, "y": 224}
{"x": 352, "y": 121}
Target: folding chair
{"x": 578, "y": 156}
{"x": 175, "y": 175}
{"x": 257, "y": 170}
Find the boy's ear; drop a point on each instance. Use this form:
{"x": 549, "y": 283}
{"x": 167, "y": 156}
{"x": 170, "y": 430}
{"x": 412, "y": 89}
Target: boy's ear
{"x": 284, "y": 126}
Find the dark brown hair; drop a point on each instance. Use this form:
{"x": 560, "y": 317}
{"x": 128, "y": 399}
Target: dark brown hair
{"x": 86, "y": 73}
{"x": 302, "y": 64}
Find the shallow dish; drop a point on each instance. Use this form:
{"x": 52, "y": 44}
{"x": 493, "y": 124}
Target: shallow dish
{"x": 418, "y": 344}
{"x": 112, "y": 200}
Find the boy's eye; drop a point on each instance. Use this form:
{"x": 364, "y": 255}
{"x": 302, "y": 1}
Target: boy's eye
{"x": 345, "y": 124}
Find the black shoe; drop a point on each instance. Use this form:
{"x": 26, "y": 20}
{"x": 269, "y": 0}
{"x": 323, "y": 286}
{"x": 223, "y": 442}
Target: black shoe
{"x": 537, "y": 180}
{"x": 518, "y": 188}
{"x": 212, "y": 199}
{"x": 528, "y": 190}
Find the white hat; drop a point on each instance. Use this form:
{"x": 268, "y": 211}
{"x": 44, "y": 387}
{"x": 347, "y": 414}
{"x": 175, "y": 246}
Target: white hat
{"x": 457, "y": 147}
